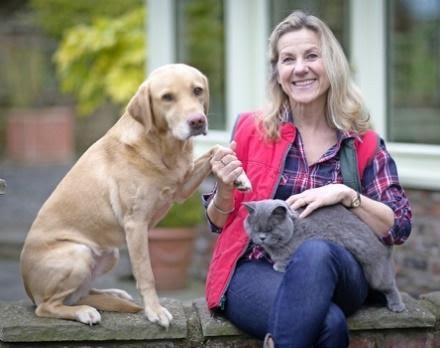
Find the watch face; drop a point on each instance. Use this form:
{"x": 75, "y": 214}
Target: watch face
{"x": 356, "y": 201}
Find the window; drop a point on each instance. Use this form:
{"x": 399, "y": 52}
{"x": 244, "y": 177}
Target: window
{"x": 414, "y": 71}
{"x": 200, "y": 43}
{"x": 330, "y": 11}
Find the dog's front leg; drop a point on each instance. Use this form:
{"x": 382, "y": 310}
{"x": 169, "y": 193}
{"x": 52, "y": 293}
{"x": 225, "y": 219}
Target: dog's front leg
{"x": 201, "y": 170}
{"x": 137, "y": 244}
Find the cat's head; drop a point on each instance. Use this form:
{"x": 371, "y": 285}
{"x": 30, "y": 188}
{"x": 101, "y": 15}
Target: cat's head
{"x": 270, "y": 222}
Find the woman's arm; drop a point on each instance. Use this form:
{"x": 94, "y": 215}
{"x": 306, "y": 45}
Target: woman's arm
{"x": 384, "y": 206}
{"x": 375, "y": 214}
{"x": 226, "y": 168}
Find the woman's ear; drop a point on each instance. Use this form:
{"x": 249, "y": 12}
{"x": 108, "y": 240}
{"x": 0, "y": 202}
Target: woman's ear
{"x": 139, "y": 107}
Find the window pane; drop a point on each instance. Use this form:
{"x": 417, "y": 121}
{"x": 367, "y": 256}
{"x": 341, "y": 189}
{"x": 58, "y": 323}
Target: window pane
{"x": 335, "y": 13}
{"x": 200, "y": 42}
{"x": 414, "y": 71}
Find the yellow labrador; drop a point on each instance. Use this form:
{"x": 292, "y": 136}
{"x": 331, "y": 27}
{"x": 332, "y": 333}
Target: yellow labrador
{"x": 119, "y": 189}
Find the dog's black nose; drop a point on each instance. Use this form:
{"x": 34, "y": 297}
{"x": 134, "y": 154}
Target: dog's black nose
{"x": 197, "y": 124}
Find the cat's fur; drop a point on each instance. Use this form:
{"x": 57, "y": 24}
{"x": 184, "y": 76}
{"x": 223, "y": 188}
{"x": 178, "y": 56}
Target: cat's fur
{"x": 278, "y": 229}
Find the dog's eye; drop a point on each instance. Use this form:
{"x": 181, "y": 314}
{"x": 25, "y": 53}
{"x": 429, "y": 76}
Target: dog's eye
{"x": 198, "y": 91}
{"x": 167, "y": 97}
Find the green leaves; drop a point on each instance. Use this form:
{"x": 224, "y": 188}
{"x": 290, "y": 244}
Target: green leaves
{"x": 103, "y": 61}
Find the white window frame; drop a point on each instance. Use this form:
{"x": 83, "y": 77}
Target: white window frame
{"x": 418, "y": 165}
{"x": 247, "y": 31}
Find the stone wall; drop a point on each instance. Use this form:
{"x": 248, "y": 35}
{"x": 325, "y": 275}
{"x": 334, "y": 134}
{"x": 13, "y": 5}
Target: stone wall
{"x": 418, "y": 259}
{"x": 194, "y": 326}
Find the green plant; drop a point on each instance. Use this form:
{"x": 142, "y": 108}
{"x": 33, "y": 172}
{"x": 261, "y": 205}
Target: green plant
{"x": 56, "y": 16}
{"x": 187, "y": 214}
{"x": 104, "y": 60}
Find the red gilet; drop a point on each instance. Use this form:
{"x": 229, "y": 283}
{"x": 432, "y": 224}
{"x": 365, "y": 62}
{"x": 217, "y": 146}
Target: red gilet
{"x": 263, "y": 162}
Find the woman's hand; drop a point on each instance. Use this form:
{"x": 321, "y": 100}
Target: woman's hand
{"x": 375, "y": 214}
{"x": 225, "y": 166}
{"x": 313, "y": 199}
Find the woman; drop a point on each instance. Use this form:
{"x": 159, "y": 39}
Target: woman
{"x": 291, "y": 152}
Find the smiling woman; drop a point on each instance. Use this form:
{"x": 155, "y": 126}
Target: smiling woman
{"x": 302, "y": 74}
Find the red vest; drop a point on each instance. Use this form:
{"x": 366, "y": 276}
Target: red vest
{"x": 262, "y": 162}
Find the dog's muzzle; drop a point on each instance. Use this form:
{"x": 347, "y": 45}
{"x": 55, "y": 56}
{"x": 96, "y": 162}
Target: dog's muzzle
{"x": 197, "y": 124}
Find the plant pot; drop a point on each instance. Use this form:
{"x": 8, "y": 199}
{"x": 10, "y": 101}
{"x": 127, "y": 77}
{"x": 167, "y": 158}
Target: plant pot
{"x": 40, "y": 135}
{"x": 171, "y": 252}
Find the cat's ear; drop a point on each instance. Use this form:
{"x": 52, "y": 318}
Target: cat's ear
{"x": 250, "y": 206}
{"x": 293, "y": 214}
{"x": 280, "y": 212}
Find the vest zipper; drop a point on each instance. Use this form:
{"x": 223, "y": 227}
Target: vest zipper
{"x": 282, "y": 170}
{"x": 223, "y": 297}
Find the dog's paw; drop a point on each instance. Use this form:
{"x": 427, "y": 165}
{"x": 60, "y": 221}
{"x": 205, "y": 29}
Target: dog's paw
{"x": 242, "y": 183}
{"x": 88, "y": 315}
{"x": 160, "y": 315}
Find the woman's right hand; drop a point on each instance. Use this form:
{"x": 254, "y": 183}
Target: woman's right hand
{"x": 226, "y": 166}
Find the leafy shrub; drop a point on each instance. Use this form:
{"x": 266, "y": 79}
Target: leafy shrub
{"x": 187, "y": 214}
{"x": 104, "y": 60}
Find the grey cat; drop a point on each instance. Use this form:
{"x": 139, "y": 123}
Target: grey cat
{"x": 272, "y": 224}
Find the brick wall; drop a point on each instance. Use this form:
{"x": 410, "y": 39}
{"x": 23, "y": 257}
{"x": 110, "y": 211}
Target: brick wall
{"x": 418, "y": 260}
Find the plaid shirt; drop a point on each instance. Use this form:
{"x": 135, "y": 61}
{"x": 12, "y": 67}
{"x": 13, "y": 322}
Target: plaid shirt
{"x": 379, "y": 182}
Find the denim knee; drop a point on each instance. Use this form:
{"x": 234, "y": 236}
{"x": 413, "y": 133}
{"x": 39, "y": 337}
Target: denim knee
{"x": 313, "y": 251}
{"x": 334, "y": 331}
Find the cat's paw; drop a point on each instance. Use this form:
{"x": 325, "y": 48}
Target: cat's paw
{"x": 279, "y": 267}
{"x": 396, "y": 307}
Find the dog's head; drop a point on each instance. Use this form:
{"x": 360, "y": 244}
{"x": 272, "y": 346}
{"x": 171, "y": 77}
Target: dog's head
{"x": 174, "y": 98}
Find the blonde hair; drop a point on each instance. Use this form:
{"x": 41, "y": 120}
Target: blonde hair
{"x": 345, "y": 107}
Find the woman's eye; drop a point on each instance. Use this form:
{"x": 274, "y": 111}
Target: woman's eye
{"x": 287, "y": 60}
{"x": 312, "y": 56}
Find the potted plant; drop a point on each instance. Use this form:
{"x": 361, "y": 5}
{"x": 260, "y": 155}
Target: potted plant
{"x": 39, "y": 121}
{"x": 172, "y": 243}
{"x": 97, "y": 50}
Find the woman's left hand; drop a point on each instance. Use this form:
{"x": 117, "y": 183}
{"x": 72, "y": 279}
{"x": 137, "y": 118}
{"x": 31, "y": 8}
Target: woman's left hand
{"x": 313, "y": 199}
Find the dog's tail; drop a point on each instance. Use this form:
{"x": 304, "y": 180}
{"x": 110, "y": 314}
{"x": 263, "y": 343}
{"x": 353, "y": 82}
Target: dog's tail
{"x": 110, "y": 303}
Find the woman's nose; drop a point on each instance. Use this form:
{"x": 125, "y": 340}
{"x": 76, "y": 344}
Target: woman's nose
{"x": 300, "y": 67}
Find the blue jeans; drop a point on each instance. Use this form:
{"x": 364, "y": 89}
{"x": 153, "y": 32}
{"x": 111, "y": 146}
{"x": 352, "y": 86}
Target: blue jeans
{"x": 304, "y": 307}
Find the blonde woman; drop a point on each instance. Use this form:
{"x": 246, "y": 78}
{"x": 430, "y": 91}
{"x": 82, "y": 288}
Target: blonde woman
{"x": 293, "y": 152}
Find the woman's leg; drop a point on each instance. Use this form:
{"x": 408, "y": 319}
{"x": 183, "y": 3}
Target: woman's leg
{"x": 320, "y": 277}
{"x": 250, "y": 295}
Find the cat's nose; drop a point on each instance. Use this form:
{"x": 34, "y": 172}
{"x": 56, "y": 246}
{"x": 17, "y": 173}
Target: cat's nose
{"x": 262, "y": 237}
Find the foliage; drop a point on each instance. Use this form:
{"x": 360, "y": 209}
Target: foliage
{"x": 103, "y": 60}
{"x": 187, "y": 214}
{"x": 201, "y": 43}
{"x": 55, "y": 16}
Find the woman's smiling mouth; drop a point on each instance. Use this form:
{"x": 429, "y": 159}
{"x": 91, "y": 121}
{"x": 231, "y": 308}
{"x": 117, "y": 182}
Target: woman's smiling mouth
{"x": 304, "y": 83}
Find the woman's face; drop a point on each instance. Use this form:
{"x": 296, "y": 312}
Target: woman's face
{"x": 301, "y": 71}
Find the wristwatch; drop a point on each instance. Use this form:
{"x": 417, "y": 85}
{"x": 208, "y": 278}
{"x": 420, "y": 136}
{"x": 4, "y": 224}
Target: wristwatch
{"x": 356, "y": 202}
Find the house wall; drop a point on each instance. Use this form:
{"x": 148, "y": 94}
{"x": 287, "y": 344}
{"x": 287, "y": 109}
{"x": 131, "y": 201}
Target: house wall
{"x": 418, "y": 260}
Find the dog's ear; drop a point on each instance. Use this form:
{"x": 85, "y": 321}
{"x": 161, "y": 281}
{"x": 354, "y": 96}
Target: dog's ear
{"x": 206, "y": 101}
{"x": 139, "y": 107}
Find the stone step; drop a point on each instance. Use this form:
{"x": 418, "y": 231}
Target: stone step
{"x": 194, "y": 326}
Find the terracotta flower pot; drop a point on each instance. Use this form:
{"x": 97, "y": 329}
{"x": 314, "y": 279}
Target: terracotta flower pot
{"x": 41, "y": 135}
{"x": 171, "y": 252}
